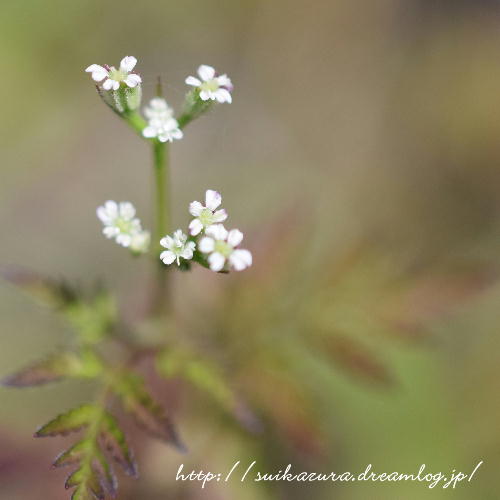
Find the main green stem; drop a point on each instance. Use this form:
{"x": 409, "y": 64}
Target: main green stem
{"x": 162, "y": 202}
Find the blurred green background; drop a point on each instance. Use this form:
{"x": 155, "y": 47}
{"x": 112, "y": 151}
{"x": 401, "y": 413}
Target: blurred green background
{"x": 361, "y": 159}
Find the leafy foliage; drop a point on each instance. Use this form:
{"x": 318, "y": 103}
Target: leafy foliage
{"x": 94, "y": 477}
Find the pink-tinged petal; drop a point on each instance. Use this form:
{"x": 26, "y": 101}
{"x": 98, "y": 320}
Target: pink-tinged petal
{"x": 240, "y": 259}
{"x": 205, "y": 95}
{"x": 167, "y": 257}
{"x": 220, "y": 215}
{"x": 94, "y": 67}
{"x": 223, "y": 95}
{"x": 212, "y": 199}
{"x": 133, "y": 80}
{"x": 216, "y": 261}
{"x": 217, "y": 231}
{"x": 193, "y": 81}
{"x": 195, "y": 227}
{"x": 108, "y": 84}
{"x": 235, "y": 237}
{"x": 225, "y": 81}
{"x": 128, "y": 63}
{"x": 149, "y": 132}
{"x": 195, "y": 208}
{"x": 206, "y": 245}
{"x": 116, "y": 85}
{"x": 206, "y": 72}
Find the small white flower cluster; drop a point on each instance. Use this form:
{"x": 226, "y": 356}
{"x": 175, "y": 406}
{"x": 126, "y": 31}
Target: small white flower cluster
{"x": 121, "y": 224}
{"x": 161, "y": 121}
{"x": 162, "y": 124}
{"x": 209, "y": 237}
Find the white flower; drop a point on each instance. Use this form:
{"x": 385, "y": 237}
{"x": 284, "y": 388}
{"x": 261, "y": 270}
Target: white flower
{"x": 111, "y": 77}
{"x": 119, "y": 221}
{"x": 221, "y": 245}
{"x": 161, "y": 121}
{"x": 140, "y": 242}
{"x": 177, "y": 247}
{"x": 211, "y": 85}
{"x": 206, "y": 215}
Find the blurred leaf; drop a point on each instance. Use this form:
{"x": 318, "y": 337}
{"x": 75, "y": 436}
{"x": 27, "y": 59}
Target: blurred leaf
{"x": 356, "y": 359}
{"x": 147, "y": 412}
{"x": 72, "y": 421}
{"x": 65, "y": 364}
{"x": 114, "y": 441}
{"x": 208, "y": 378}
{"x": 72, "y": 455}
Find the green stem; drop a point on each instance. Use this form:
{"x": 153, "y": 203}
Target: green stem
{"x": 162, "y": 202}
{"x": 136, "y": 121}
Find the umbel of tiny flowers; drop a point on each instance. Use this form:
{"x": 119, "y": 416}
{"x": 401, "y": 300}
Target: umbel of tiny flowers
{"x": 221, "y": 245}
{"x": 111, "y": 78}
{"x": 161, "y": 121}
{"x": 121, "y": 224}
{"x": 210, "y": 85}
{"x": 206, "y": 215}
{"x": 177, "y": 247}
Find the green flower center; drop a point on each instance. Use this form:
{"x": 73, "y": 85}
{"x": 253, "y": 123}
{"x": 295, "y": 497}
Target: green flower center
{"x": 211, "y": 85}
{"x": 206, "y": 217}
{"x": 223, "y": 248}
{"x": 117, "y": 75}
{"x": 125, "y": 226}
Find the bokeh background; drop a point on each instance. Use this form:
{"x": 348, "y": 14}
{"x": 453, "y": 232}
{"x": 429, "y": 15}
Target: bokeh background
{"x": 361, "y": 158}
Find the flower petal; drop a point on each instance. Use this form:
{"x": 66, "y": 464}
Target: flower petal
{"x": 217, "y": 231}
{"x": 205, "y": 95}
{"x": 235, "y": 237}
{"x": 126, "y": 210}
{"x": 220, "y": 215}
{"x": 108, "y": 84}
{"x": 223, "y": 95}
{"x": 167, "y": 242}
{"x": 187, "y": 253}
{"x": 116, "y": 85}
{"x": 206, "y": 72}
{"x": 149, "y": 132}
{"x": 206, "y": 245}
{"x": 195, "y": 208}
{"x": 124, "y": 239}
{"x": 240, "y": 259}
{"x": 191, "y": 80}
{"x": 133, "y": 80}
{"x": 212, "y": 199}
{"x": 225, "y": 81}
{"x": 167, "y": 257}
{"x": 195, "y": 227}
{"x": 216, "y": 261}
{"x": 128, "y": 63}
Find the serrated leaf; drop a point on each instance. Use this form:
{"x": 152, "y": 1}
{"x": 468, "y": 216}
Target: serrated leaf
{"x": 71, "y": 421}
{"x": 114, "y": 441}
{"x": 147, "y": 412}
{"x": 56, "y": 367}
{"x": 86, "y": 482}
{"x": 72, "y": 455}
{"x": 104, "y": 473}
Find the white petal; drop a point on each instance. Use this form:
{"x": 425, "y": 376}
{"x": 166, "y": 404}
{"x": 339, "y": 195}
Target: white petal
{"x": 220, "y": 215}
{"x": 110, "y": 231}
{"x": 133, "y": 80}
{"x": 124, "y": 240}
{"x": 235, "y": 237}
{"x": 206, "y": 245}
{"x": 116, "y": 85}
{"x": 195, "y": 227}
{"x": 217, "y": 231}
{"x": 149, "y": 132}
{"x": 195, "y": 208}
{"x": 212, "y": 199}
{"x": 94, "y": 67}
{"x": 127, "y": 210}
{"x": 108, "y": 84}
{"x": 216, "y": 261}
{"x": 191, "y": 80}
{"x": 187, "y": 253}
{"x": 206, "y": 72}
{"x": 205, "y": 95}
{"x": 240, "y": 259}
{"x": 223, "y": 95}
{"x": 167, "y": 242}
{"x": 225, "y": 81}
{"x": 128, "y": 63}
{"x": 98, "y": 72}
{"x": 167, "y": 257}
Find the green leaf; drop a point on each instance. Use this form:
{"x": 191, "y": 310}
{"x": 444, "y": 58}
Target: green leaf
{"x": 73, "y": 455}
{"x": 85, "y": 364}
{"x": 72, "y": 421}
{"x": 113, "y": 440}
{"x": 147, "y": 412}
